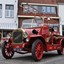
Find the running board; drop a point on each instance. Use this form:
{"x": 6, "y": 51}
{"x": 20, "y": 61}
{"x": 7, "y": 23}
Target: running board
{"x": 22, "y": 52}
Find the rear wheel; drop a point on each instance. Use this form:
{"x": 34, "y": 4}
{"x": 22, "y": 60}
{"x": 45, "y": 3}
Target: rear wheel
{"x": 61, "y": 51}
{"x": 37, "y": 50}
{"x": 7, "y": 51}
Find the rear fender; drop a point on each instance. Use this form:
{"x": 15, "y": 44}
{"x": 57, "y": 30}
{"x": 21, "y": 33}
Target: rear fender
{"x": 62, "y": 42}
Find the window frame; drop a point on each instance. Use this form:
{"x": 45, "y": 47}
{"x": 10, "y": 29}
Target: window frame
{"x": 32, "y": 22}
{"x": 1, "y": 11}
{"x": 9, "y": 10}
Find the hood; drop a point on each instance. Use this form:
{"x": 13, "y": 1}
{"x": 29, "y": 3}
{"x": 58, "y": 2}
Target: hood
{"x": 29, "y": 31}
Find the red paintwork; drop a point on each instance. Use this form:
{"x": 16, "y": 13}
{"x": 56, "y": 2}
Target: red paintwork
{"x": 44, "y": 33}
{"x": 19, "y": 45}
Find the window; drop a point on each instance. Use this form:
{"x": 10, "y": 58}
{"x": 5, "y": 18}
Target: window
{"x": 28, "y": 9}
{"x": 48, "y": 9}
{"x": 0, "y": 10}
{"x": 39, "y": 9}
{"x": 53, "y": 10}
{"x": 9, "y": 11}
{"x": 25, "y": 8}
{"x": 43, "y": 9}
{"x": 35, "y": 9}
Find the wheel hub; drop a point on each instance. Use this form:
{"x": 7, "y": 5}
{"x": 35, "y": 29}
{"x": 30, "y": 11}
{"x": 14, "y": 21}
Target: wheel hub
{"x": 39, "y": 50}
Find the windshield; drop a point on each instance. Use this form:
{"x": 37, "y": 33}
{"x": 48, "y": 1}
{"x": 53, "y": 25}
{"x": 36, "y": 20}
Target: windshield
{"x": 29, "y": 23}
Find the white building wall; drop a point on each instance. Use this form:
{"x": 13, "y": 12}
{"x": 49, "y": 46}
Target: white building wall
{"x": 61, "y": 15}
{"x": 9, "y": 23}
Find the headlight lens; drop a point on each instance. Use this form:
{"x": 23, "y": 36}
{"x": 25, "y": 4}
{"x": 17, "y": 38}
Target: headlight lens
{"x": 25, "y": 35}
{"x": 27, "y": 39}
{"x": 8, "y": 36}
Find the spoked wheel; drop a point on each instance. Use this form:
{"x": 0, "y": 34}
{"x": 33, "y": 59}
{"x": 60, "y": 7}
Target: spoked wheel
{"x": 7, "y": 51}
{"x": 61, "y": 51}
{"x": 37, "y": 50}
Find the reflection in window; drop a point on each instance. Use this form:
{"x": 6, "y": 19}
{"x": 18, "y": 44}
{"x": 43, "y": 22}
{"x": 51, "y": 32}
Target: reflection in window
{"x": 35, "y": 8}
{"x": 25, "y": 8}
{"x": 30, "y": 9}
{"x": 39, "y": 9}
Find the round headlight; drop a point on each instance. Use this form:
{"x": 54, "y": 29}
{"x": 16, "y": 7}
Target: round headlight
{"x": 27, "y": 39}
{"x": 25, "y": 35}
{"x": 8, "y": 36}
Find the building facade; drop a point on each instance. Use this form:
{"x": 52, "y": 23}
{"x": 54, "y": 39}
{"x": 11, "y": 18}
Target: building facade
{"x": 61, "y": 15}
{"x": 47, "y": 9}
{"x": 8, "y": 16}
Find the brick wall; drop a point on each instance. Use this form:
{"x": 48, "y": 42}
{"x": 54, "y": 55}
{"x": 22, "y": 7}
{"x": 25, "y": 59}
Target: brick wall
{"x": 40, "y": 1}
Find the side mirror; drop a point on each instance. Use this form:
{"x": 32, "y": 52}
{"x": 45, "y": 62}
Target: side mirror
{"x": 35, "y": 31}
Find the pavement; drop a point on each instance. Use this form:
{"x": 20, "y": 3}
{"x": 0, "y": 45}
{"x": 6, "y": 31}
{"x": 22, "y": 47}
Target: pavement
{"x": 48, "y": 58}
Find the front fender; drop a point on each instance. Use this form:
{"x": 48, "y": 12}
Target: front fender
{"x": 7, "y": 40}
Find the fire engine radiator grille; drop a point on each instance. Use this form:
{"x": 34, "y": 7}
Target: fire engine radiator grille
{"x": 17, "y": 37}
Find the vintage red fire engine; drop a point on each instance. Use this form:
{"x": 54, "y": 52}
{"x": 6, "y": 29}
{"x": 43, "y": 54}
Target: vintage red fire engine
{"x": 33, "y": 37}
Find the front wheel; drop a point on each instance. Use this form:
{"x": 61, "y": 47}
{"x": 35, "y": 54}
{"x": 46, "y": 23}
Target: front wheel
{"x": 7, "y": 51}
{"x": 37, "y": 50}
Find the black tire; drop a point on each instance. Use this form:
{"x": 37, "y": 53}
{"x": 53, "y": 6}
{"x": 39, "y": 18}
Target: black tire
{"x": 7, "y": 55}
{"x": 61, "y": 51}
{"x": 36, "y": 52}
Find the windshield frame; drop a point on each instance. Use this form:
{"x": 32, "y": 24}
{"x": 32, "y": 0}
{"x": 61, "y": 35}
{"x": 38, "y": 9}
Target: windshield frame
{"x": 31, "y": 23}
